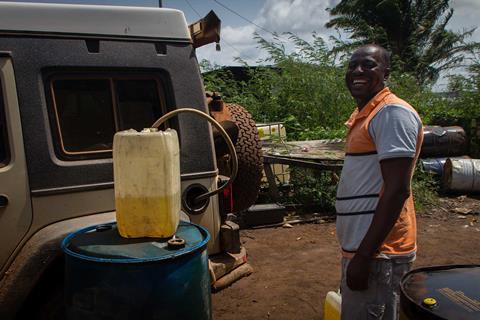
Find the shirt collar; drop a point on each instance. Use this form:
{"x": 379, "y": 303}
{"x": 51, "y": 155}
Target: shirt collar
{"x": 357, "y": 114}
{"x": 372, "y": 104}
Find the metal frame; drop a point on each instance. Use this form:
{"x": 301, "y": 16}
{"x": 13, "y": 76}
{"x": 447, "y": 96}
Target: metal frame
{"x": 111, "y": 77}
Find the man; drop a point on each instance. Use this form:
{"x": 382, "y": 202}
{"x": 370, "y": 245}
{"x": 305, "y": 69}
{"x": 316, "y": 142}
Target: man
{"x": 376, "y": 224}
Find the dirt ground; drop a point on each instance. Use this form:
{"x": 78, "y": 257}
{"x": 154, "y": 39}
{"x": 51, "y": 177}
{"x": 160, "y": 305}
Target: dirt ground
{"x": 296, "y": 267}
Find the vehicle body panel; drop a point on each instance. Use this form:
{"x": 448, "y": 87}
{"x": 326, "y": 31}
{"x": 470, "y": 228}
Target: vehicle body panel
{"x": 16, "y": 216}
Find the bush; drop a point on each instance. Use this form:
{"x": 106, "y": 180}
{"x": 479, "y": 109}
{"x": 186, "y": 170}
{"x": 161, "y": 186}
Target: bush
{"x": 305, "y": 89}
{"x": 313, "y": 189}
{"x": 425, "y": 190}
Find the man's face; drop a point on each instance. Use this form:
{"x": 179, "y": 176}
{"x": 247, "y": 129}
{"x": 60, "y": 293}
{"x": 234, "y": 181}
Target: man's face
{"x": 366, "y": 74}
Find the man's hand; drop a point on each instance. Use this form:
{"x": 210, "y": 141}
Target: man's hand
{"x": 358, "y": 271}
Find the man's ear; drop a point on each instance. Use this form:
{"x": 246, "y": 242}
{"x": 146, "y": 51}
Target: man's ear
{"x": 387, "y": 74}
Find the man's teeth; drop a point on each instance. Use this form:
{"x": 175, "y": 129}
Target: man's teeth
{"x": 359, "y": 81}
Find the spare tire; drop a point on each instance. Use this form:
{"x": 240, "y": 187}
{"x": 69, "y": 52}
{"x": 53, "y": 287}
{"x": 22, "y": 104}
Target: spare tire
{"x": 250, "y": 162}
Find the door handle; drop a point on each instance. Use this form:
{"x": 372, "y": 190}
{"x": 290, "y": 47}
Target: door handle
{"x": 3, "y": 201}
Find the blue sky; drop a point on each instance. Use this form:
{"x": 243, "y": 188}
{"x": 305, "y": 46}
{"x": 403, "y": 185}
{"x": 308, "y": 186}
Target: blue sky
{"x": 301, "y": 17}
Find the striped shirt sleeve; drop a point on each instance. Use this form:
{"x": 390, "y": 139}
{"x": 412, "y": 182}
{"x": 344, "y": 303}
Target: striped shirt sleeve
{"x": 395, "y": 130}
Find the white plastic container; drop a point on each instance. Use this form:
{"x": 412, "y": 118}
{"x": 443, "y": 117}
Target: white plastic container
{"x": 271, "y": 131}
{"x": 333, "y": 306}
{"x": 146, "y": 167}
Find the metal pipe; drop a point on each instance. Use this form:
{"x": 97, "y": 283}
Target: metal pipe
{"x": 230, "y": 145}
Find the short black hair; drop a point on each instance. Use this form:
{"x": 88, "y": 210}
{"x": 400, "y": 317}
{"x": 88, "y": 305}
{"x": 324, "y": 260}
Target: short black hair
{"x": 383, "y": 52}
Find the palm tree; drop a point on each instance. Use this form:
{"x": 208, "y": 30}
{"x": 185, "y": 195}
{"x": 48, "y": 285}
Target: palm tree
{"x": 413, "y": 30}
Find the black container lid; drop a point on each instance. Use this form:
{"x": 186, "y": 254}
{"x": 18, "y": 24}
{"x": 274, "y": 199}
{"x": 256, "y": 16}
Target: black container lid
{"x": 446, "y": 292}
{"x": 103, "y": 243}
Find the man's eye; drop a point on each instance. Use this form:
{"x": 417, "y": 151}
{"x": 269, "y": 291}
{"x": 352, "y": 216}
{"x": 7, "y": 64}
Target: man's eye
{"x": 364, "y": 65}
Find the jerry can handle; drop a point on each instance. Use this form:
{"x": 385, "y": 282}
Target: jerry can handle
{"x": 222, "y": 131}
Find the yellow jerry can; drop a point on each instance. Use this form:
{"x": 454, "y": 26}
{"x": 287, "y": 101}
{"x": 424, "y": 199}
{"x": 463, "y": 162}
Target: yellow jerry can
{"x": 333, "y": 306}
{"x": 146, "y": 169}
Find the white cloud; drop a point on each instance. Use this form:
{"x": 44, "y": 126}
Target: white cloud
{"x": 227, "y": 55}
{"x": 297, "y": 16}
{"x": 236, "y": 42}
{"x": 238, "y": 36}
{"x": 465, "y": 16}
{"x": 302, "y": 17}
{"x": 466, "y": 4}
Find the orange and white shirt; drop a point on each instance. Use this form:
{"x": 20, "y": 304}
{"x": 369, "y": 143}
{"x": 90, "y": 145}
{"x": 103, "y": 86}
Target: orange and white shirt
{"x": 387, "y": 127}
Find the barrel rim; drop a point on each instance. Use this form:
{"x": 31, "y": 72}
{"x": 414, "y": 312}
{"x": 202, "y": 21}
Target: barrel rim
{"x": 414, "y": 304}
{"x": 177, "y": 254}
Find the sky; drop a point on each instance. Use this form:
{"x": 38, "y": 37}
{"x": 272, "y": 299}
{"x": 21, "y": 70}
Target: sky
{"x": 240, "y": 19}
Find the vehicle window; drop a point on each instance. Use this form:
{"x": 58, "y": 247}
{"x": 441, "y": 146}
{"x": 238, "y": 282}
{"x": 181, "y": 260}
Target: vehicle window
{"x": 84, "y": 114}
{"x": 4, "y": 153}
{"x": 137, "y": 103}
{"x": 89, "y": 111}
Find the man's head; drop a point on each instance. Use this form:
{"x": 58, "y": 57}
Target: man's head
{"x": 367, "y": 71}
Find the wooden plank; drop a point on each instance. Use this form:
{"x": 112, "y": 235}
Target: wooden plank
{"x": 268, "y": 159}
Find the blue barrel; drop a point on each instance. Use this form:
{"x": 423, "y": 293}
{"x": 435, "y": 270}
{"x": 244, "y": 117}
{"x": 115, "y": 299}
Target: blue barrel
{"x": 110, "y": 277}
{"x": 435, "y": 165}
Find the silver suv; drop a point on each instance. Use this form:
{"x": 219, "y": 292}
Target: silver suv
{"x": 70, "y": 77}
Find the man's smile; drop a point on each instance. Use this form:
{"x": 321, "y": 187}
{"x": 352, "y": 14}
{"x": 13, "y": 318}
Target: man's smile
{"x": 359, "y": 82}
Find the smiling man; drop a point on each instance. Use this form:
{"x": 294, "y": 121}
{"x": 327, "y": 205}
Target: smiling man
{"x": 376, "y": 224}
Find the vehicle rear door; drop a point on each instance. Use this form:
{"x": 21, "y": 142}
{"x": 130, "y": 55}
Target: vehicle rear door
{"x": 15, "y": 204}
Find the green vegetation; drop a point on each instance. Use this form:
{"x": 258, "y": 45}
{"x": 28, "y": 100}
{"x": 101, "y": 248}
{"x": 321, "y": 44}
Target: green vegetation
{"x": 414, "y": 31}
{"x": 306, "y": 90}
{"x": 313, "y": 188}
{"x": 304, "y": 87}
{"x": 425, "y": 190}
{"x": 318, "y": 189}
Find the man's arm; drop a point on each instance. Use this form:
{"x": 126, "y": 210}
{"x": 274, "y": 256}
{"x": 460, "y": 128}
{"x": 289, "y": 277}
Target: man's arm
{"x": 396, "y": 174}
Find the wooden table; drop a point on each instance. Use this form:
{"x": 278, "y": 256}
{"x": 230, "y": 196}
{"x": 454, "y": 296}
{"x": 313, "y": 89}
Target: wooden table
{"x": 325, "y": 155}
